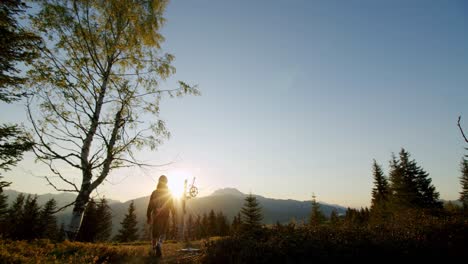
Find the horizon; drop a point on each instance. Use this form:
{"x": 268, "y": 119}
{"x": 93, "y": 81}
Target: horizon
{"x": 299, "y": 98}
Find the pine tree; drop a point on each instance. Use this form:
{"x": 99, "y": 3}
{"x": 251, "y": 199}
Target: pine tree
{"x": 128, "y": 231}
{"x": 380, "y": 194}
{"x": 410, "y": 185}
{"x": 236, "y": 223}
{"x": 145, "y": 232}
{"x": 334, "y": 219}
{"x": 30, "y": 219}
{"x": 104, "y": 221}
{"x": 204, "y": 226}
{"x": 14, "y": 215}
{"x": 16, "y": 46}
{"x": 222, "y": 224}
{"x": 464, "y": 184}
{"x": 3, "y": 214}
{"x": 316, "y": 216}
{"x": 48, "y": 221}
{"x": 212, "y": 227}
{"x": 251, "y": 214}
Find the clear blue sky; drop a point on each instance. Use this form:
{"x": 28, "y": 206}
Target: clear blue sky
{"x": 299, "y": 97}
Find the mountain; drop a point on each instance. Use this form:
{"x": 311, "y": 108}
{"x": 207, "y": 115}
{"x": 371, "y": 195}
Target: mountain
{"x": 227, "y": 200}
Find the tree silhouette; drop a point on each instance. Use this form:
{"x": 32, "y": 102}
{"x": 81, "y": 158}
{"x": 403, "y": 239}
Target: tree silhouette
{"x": 15, "y": 213}
{"x": 334, "y": 219}
{"x": 380, "y": 194}
{"x": 128, "y": 231}
{"x": 464, "y": 184}
{"x": 48, "y": 221}
{"x": 15, "y": 47}
{"x": 316, "y": 215}
{"x": 410, "y": 185}
{"x": 30, "y": 220}
{"x": 103, "y": 221}
{"x": 251, "y": 213}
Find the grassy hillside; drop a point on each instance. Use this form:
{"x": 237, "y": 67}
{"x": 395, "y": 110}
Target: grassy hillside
{"x": 44, "y": 251}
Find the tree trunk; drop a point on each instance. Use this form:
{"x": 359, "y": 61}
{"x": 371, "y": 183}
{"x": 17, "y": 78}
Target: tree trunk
{"x": 77, "y": 215}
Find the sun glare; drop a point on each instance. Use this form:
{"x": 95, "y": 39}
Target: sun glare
{"x": 176, "y": 180}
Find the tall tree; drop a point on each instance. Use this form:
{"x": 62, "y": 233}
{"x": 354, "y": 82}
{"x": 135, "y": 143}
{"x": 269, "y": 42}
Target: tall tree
{"x": 212, "y": 224}
{"x": 316, "y": 215}
{"x": 464, "y": 184}
{"x": 251, "y": 213}
{"x": 97, "y": 88}
{"x": 30, "y": 219}
{"x": 380, "y": 193}
{"x": 48, "y": 221}
{"x": 103, "y": 221}
{"x": 410, "y": 185}
{"x": 3, "y": 214}
{"x": 16, "y": 46}
{"x": 222, "y": 224}
{"x": 14, "y": 215}
{"x": 128, "y": 231}
{"x": 334, "y": 218}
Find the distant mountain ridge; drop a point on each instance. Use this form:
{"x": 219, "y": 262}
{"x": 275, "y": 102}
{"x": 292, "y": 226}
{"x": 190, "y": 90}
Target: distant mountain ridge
{"x": 227, "y": 200}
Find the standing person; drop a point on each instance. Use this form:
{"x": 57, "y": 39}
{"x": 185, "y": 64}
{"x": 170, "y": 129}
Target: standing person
{"x": 159, "y": 207}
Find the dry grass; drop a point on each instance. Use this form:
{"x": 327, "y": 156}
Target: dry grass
{"x": 44, "y": 251}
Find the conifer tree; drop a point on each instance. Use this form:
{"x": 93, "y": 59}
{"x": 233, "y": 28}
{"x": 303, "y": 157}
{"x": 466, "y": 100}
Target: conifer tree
{"x": 251, "y": 213}
{"x": 204, "y": 226}
{"x": 3, "y": 213}
{"x": 464, "y": 184}
{"x": 380, "y": 194}
{"x": 410, "y": 185}
{"x": 16, "y": 46}
{"x": 103, "y": 221}
{"x": 15, "y": 213}
{"x": 145, "y": 232}
{"x": 48, "y": 221}
{"x": 316, "y": 216}
{"x": 334, "y": 219}
{"x": 30, "y": 219}
{"x": 128, "y": 231}
{"x": 212, "y": 225}
{"x": 222, "y": 224}
{"x": 236, "y": 223}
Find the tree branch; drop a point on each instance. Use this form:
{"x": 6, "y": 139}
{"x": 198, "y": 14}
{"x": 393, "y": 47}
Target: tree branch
{"x": 461, "y": 129}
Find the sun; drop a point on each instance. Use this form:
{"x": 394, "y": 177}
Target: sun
{"x": 176, "y": 180}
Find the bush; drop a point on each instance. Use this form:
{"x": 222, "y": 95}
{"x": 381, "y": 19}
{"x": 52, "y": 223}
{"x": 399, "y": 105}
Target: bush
{"x": 427, "y": 240}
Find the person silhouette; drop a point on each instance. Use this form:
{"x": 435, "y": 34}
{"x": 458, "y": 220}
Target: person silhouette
{"x": 160, "y": 206}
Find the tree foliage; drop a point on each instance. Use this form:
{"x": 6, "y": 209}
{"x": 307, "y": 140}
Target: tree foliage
{"x": 97, "y": 86}
{"x": 251, "y": 213}
{"x": 410, "y": 185}
{"x": 16, "y": 46}
{"x": 128, "y": 231}
{"x": 316, "y": 215}
{"x": 380, "y": 193}
{"x": 464, "y": 184}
